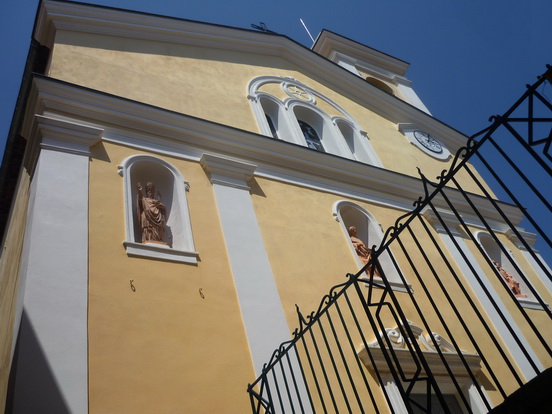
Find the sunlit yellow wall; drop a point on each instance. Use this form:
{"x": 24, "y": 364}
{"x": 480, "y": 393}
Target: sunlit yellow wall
{"x": 9, "y": 278}
{"x": 163, "y": 342}
{"x": 212, "y": 84}
{"x": 309, "y": 253}
{"x": 161, "y": 348}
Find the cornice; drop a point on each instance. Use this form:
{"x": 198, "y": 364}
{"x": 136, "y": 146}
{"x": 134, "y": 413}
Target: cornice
{"x": 227, "y": 171}
{"x": 65, "y": 136}
{"x": 101, "y": 20}
{"x": 161, "y": 131}
{"x": 328, "y": 43}
{"x": 529, "y": 238}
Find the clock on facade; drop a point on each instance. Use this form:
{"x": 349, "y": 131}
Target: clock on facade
{"x": 428, "y": 141}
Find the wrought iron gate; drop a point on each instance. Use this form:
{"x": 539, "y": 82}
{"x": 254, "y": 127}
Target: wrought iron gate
{"x": 369, "y": 348}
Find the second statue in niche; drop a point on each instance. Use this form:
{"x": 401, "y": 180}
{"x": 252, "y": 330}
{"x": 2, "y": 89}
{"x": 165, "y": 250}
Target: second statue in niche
{"x": 364, "y": 253}
{"x": 151, "y": 213}
{"x": 512, "y": 283}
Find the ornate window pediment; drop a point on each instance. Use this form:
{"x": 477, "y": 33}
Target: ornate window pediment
{"x": 428, "y": 345}
{"x": 434, "y": 349}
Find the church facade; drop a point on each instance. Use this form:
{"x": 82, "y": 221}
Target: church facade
{"x": 183, "y": 187}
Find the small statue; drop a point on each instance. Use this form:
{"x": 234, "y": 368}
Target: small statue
{"x": 364, "y": 253}
{"x": 512, "y": 283}
{"x": 151, "y": 214}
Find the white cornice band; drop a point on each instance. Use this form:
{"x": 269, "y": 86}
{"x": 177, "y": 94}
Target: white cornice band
{"x": 164, "y": 132}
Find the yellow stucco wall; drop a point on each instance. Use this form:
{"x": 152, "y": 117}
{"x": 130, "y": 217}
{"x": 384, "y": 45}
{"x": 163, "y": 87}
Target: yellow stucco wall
{"x": 161, "y": 348}
{"x": 309, "y": 254}
{"x": 212, "y": 84}
{"x": 9, "y": 279}
{"x": 145, "y": 343}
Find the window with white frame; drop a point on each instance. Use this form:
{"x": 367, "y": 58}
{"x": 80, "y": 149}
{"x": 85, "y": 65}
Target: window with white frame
{"x": 369, "y": 231}
{"x": 293, "y": 112}
{"x": 149, "y": 179}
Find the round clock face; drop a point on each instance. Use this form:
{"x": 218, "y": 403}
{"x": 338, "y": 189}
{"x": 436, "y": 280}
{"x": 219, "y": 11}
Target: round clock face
{"x": 428, "y": 141}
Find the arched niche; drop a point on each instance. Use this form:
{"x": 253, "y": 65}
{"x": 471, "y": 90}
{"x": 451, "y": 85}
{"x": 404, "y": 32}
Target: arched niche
{"x": 380, "y": 85}
{"x": 170, "y": 188}
{"x": 496, "y": 254}
{"x": 370, "y": 232}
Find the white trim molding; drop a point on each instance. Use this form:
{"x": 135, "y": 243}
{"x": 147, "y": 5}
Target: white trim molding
{"x": 67, "y": 136}
{"x": 54, "y": 16}
{"x": 148, "y": 128}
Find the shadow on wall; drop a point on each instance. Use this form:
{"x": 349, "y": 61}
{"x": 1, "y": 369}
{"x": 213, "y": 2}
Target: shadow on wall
{"x": 32, "y": 387}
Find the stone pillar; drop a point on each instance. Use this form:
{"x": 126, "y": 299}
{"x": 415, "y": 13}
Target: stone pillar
{"x": 261, "y": 308}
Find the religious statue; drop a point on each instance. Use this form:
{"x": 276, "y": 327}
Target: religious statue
{"x": 151, "y": 214}
{"x": 512, "y": 283}
{"x": 364, "y": 253}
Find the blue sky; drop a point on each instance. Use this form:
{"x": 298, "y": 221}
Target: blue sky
{"x": 470, "y": 59}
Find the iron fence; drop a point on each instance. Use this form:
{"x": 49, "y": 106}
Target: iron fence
{"x": 475, "y": 328}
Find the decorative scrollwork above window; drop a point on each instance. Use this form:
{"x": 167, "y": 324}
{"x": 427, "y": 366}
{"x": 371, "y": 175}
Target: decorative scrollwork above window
{"x": 296, "y": 91}
{"x": 399, "y": 341}
{"x": 374, "y": 356}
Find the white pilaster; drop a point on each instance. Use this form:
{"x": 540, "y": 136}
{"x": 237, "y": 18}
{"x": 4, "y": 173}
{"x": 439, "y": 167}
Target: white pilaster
{"x": 52, "y": 363}
{"x": 261, "y": 308}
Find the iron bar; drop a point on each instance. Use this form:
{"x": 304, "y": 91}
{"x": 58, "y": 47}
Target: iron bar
{"x": 280, "y": 382}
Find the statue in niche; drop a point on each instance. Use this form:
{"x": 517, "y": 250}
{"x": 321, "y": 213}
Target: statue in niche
{"x": 512, "y": 283}
{"x": 151, "y": 214}
{"x": 364, "y": 253}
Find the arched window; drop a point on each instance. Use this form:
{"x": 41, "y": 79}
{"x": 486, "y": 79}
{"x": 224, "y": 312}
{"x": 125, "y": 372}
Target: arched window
{"x": 369, "y": 231}
{"x": 311, "y": 136}
{"x": 157, "y": 217}
{"x": 506, "y": 265}
{"x": 380, "y": 85}
{"x": 296, "y": 116}
{"x": 354, "y": 142}
{"x": 271, "y": 125}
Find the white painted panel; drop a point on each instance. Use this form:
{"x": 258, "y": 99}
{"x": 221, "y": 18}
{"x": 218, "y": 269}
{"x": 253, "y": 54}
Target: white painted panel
{"x": 52, "y": 357}
{"x": 260, "y": 303}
